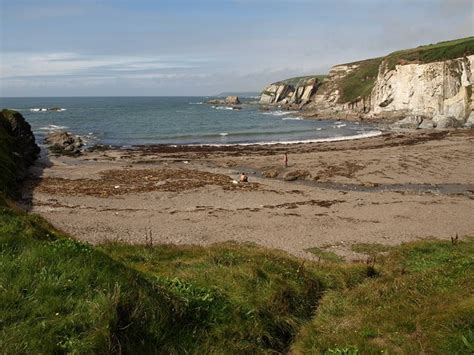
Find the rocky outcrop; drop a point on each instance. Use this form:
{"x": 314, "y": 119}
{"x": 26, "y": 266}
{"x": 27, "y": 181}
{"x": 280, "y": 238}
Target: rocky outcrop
{"x": 297, "y": 92}
{"x": 410, "y": 122}
{"x": 21, "y": 140}
{"x": 229, "y": 101}
{"x": 329, "y": 100}
{"x": 434, "y": 82}
{"x": 62, "y": 142}
{"x": 232, "y": 100}
{"x": 440, "y": 90}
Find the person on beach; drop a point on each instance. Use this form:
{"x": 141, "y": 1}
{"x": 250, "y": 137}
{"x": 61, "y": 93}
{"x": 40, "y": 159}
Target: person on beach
{"x": 285, "y": 160}
{"x": 243, "y": 177}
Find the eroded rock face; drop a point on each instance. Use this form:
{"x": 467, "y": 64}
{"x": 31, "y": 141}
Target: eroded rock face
{"x": 62, "y": 142}
{"x": 410, "y": 122}
{"x": 440, "y": 89}
{"x": 232, "y": 100}
{"x": 435, "y": 91}
{"x": 427, "y": 124}
{"x": 286, "y": 94}
{"x": 24, "y": 146}
{"x": 229, "y": 101}
{"x": 448, "y": 122}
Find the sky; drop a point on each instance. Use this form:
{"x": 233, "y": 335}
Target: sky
{"x": 203, "y": 47}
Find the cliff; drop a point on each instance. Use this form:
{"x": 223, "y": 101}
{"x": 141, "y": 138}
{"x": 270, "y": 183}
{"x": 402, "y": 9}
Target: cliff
{"x": 295, "y": 91}
{"x": 434, "y": 82}
{"x": 436, "y": 90}
{"x": 18, "y": 149}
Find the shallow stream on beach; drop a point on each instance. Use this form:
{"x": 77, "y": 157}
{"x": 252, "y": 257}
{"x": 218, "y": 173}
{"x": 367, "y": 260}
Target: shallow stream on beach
{"x": 127, "y": 121}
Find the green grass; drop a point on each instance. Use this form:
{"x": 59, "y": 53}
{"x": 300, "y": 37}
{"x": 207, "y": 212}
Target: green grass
{"x": 325, "y": 255}
{"x": 370, "y": 249}
{"x": 433, "y": 52}
{"x": 421, "y": 302}
{"x": 255, "y": 299}
{"x": 360, "y": 82}
{"x": 300, "y": 80}
{"x": 59, "y": 295}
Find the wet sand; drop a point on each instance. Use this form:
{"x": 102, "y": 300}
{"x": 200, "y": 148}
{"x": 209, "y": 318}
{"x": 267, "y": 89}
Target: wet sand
{"x": 388, "y": 190}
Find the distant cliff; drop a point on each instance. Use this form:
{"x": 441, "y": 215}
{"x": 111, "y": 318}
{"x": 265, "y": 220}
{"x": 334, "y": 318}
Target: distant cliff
{"x": 295, "y": 91}
{"x": 434, "y": 81}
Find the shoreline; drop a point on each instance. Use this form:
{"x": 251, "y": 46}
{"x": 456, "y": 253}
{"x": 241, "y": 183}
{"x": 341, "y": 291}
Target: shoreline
{"x": 333, "y": 195}
{"x": 365, "y": 135}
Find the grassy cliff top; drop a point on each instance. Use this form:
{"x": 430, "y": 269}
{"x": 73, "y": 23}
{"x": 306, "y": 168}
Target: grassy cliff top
{"x": 427, "y": 53}
{"x": 433, "y": 52}
{"x": 360, "y": 82}
{"x": 299, "y": 80}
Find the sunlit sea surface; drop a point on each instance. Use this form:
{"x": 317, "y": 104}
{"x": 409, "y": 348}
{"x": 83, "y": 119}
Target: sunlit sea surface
{"x": 128, "y": 121}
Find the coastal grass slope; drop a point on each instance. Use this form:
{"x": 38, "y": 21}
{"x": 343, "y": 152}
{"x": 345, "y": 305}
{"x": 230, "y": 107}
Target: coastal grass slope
{"x": 299, "y": 80}
{"x": 360, "y": 82}
{"x": 59, "y": 295}
{"x": 422, "y": 301}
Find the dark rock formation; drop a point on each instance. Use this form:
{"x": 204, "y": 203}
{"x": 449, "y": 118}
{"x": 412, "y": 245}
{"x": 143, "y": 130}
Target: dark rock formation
{"x": 22, "y": 142}
{"x": 62, "y": 142}
{"x": 228, "y": 101}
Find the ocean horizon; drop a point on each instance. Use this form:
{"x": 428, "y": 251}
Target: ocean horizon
{"x": 175, "y": 120}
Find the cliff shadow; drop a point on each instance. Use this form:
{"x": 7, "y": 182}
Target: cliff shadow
{"x": 33, "y": 178}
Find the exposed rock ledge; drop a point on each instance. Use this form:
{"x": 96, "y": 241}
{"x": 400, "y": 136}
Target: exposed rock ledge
{"x": 62, "y": 142}
{"x": 229, "y": 101}
{"x": 21, "y": 140}
{"x": 440, "y": 92}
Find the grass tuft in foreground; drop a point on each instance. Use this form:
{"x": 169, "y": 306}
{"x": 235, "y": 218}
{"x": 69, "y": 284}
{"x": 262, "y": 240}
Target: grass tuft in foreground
{"x": 421, "y": 302}
{"x": 59, "y": 295}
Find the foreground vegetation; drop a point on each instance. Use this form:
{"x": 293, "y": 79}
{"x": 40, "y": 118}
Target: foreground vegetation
{"x": 422, "y": 301}
{"x": 58, "y": 295}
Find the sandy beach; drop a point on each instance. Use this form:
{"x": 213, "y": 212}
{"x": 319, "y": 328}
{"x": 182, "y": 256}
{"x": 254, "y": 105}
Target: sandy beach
{"x": 389, "y": 189}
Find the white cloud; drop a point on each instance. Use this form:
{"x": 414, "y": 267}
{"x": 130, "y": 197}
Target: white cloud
{"x": 21, "y": 64}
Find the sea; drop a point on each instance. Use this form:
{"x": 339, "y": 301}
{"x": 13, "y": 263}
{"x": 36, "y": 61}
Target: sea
{"x": 132, "y": 121}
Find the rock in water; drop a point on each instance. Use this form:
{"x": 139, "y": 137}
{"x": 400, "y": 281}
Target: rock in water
{"x": 232, "y": 100}
{"x": 64, "y": 143}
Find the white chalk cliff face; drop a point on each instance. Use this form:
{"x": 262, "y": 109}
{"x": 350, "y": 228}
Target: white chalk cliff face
{"x": 285, "y": 94}
{"x": 435, "y": 90}
{"x": 439, "y": 91}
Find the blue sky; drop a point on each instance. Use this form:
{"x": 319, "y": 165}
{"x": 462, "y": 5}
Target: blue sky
{"x": 203, "y": 47}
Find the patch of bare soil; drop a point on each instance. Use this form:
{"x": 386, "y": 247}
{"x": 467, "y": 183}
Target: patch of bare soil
{"x": 120, "y": 182}
{"x": 347, "y": 169}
